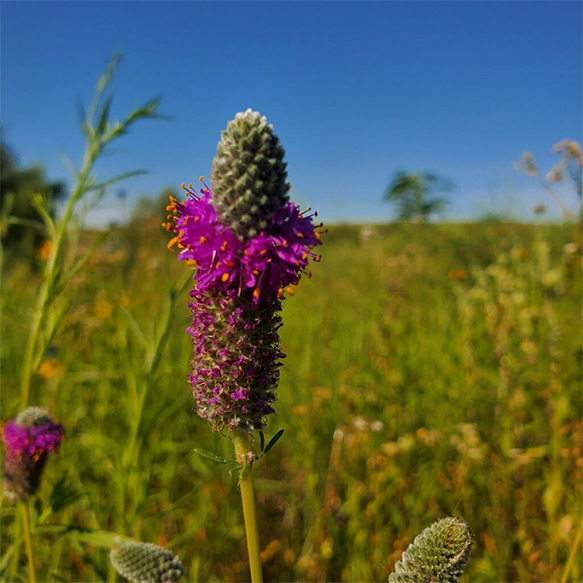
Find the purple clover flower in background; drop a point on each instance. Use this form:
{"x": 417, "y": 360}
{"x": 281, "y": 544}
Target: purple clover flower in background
{"x": 249, "y": 245}
{"x": 28, "y": 442}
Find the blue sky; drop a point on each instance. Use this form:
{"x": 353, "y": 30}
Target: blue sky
{"x": 355, "y": 90}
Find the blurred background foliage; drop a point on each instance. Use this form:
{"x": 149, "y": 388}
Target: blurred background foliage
{"x": 17, "y": 187}
{"x": 432, "y": 370}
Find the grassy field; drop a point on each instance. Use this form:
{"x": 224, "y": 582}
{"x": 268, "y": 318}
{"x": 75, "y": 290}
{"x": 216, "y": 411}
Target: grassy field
{"x": 432, "y": 370}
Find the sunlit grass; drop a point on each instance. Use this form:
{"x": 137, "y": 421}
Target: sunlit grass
{"x": 408, "y": 394}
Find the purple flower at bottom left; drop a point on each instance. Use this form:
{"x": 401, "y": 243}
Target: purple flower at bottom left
{"x": 28, "y": 440}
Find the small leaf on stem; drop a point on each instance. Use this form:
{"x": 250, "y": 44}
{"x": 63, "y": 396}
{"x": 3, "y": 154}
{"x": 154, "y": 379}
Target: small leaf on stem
{"x": 274, "y": 440}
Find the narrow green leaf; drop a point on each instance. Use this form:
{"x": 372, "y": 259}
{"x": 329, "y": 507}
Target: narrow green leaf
{"x": 26, "y": 223}
{"x": 261, "y": 441}
{"x": 57, "y": 288}
{"x": 214, "y": 457}
{"x": 274, "y": 440}
{"x": 104, "y": 116}
{"x": 118, "y": 178}
{"x": 98, "y": 538}
{"x": 135, "y": 327}
{"x": 39, "y": 203}
{"x": 148, "y": 110}
{"x": 244, "y": 471}
{"x": 6, "y": 558}
{"x": 105, "y": 79}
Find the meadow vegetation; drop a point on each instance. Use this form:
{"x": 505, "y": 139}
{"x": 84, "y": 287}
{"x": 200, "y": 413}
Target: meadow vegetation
{"x": 431, "y": 370}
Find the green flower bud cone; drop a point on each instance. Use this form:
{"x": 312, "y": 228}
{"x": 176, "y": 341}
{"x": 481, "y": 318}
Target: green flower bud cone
{"x": 33, "y": 417}
{"x": 145, "y": 563}
{"x": 249, "y": 178}
{"x": 439, "y": 554}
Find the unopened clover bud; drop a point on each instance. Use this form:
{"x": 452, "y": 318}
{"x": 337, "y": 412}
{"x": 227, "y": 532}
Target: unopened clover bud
{"x": 249, "y": 175}
{"x": 145, "y": 563}
{"x": 439, "y": 554}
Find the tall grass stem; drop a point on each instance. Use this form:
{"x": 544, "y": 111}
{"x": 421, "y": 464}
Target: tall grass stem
{"x": 28, "y": 542}
{"x": 242, "y": 443}
{"x": 576, "y": 546}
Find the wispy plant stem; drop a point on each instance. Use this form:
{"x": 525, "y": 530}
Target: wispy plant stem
{"x": 99, "y": 133}
{"x": 57, "y": 238}
{"x": 15, "y": 559}
{"x": 28, "y": 542}
{"x": 242, "y": 443}
{"x": 153, "y": 358}
{"x": 576, "y": 546}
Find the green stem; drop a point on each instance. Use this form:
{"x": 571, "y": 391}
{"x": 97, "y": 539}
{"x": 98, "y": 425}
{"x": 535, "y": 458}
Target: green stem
{"x": 28, "y": 542}
{"x": 42, "y": 302}
{"x": 242, "y": 443}
{"x": 576, "y": 546}
{"x": 15, "y": 559}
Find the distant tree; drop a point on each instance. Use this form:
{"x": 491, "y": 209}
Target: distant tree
{"x": 17, "y": 188}
{"x": 415, "y": 195}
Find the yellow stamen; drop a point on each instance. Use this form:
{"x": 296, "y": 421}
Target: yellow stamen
{"x": 224, "y": 277}
{"x": 172, "y": 242}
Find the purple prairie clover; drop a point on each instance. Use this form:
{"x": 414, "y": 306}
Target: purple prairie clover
{"x": 249, "y": 245}
{"x": 266, "y": 265}
{"x": 235, "y": 361}
{"x": 28, "y": 442}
